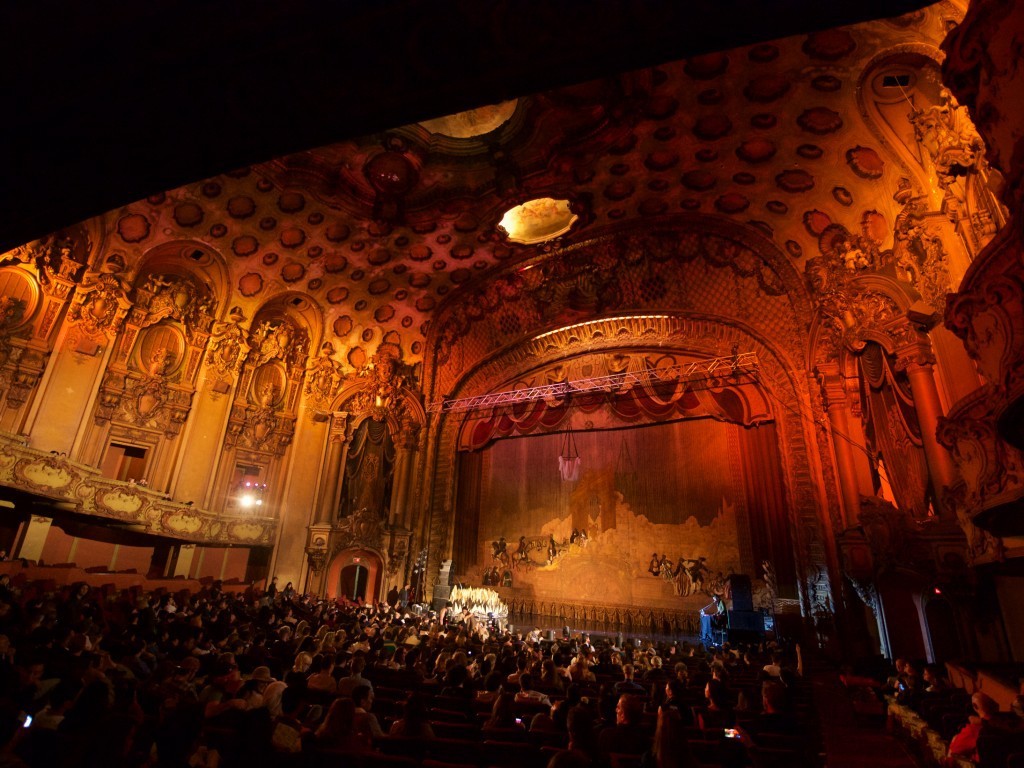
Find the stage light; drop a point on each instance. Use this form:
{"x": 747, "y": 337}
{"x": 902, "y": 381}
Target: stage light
{"x": 250, "y": 494}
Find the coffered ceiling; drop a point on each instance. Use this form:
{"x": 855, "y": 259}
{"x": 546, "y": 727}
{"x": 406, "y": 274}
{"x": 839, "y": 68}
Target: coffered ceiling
{"x": 785, "y": 136}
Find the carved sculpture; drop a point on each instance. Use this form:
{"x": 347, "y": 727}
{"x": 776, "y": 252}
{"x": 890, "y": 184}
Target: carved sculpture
{"x": 230, "y": 345}
{"x": 323, "y": 376}
{"x": 101, "y": 301}
{"x": 170, "y": 296}
{"x": 946, "y": 133}
{"x": 918, "y": 253}
{"x": 381, "y": 392}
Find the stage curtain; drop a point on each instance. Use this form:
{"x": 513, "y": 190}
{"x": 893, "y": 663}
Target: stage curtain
{"x": 643, "y": 403}
{"x": 465, "y": 553}
{"x": 894, "y": 430}
{"x": 770, "y": 536}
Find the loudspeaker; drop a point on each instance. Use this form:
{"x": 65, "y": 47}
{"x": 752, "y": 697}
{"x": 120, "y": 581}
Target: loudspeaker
{"x": 441, "y": 595}
{"x": 742, "y": 592}
{"x": 747, "y": 636}
{"x": 746, "y": 626}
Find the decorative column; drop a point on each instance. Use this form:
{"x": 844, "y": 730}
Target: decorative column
{"x": 408, "y": 439}
{"x": 183, "y": 557}
{"x": 337, "y": 440}
{"x": 34, "y": 537}
{"x": 833, "y": 391}
{"x": 917, "y": 360}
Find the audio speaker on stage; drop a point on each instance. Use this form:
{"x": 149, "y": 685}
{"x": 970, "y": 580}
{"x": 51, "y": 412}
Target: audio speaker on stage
{"x": 746, "y": 636}
{"x": 551, "y": 635}
{"x": 746, "y": 621}
{"x": 441, "y": 595}
{"x": 742, "y": 593}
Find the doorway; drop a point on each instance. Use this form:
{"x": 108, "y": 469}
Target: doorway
{"x": 355, "y": 574}
{"x": 354, "y": 579}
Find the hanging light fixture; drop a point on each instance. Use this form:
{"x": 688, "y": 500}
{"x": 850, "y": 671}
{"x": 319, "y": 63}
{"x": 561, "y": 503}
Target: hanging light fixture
{"x": 569, "y": 459}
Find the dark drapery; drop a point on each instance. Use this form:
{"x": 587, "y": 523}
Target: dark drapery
{"x": 369, "y": 469}
{"x": 766, "y": 503}
{"x": 464, "y": 550}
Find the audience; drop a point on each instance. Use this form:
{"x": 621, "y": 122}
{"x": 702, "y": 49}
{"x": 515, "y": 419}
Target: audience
{"x": 135, "y": 680}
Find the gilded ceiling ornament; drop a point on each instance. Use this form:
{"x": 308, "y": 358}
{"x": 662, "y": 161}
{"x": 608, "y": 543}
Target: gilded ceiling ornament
{"x": 279, "y": 339}
{"x": 11, "y": 312}
{"x": 53, "y": 257}
{"x": 918, "y": 253}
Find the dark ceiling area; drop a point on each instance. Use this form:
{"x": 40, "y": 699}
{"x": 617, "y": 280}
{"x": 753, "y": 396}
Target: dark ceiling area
{"x": 105, "y": 103}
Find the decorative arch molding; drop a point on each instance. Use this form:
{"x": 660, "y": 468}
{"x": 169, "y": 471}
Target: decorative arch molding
{"x": 914, "y": 59}
{"x": 190, "y": 257}
{"x": 697, "y": 263}
{"x": 298, "y": 306}
{"x": 869, "y": 307}
{"x": 811, "y": 485}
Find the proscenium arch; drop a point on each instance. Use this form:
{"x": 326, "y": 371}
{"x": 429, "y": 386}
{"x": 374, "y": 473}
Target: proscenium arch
{"x": 810, "y": 485}
{"x": 627, "y": 254}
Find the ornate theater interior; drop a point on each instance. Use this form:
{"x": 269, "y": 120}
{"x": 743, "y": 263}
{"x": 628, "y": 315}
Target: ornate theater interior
{"x": 599, "y": 322}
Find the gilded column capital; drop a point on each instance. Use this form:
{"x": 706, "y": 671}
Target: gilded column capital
{"x": 339, "y": 428}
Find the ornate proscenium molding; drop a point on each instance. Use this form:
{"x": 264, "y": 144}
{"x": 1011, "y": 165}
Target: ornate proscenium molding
{"x": 57, "y": 478}
{"x": 740, "y": 363}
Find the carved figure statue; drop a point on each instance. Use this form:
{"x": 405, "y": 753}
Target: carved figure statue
{"x": 230, "y": 344}
{"x": 323, "y": 375}
{"x": 946, "y": 134}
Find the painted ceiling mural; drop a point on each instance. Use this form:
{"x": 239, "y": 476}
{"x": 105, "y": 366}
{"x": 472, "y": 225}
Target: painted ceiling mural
{"x": 788, "y": 137}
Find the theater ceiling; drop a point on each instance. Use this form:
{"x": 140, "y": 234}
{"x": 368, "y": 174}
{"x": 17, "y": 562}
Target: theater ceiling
{"x": 785, "y": 137}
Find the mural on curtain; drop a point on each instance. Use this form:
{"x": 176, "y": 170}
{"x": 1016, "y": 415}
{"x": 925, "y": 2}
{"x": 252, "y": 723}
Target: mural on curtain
{"x": 676, "y": 494}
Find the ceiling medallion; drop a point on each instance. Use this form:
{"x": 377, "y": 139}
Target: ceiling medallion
{"x": 472, "y": 122}
{"x": 538, "y": 220}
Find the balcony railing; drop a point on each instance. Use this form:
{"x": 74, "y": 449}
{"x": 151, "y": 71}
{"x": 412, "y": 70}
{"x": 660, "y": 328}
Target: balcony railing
{"x": 80, "y": 488}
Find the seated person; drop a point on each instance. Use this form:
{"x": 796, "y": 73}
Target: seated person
{"x": 986, "y": 718}
{"x": 365, "y": 724}
{"x": 628, "y": 685}
{"x": 626, "y": 737}
{"x": 414, "y": 722}
{"x": 774, "y": 718}
{"x": 526, "y": 693}
{"x": 717, "y": 712}
{"x": 335, "y": 732}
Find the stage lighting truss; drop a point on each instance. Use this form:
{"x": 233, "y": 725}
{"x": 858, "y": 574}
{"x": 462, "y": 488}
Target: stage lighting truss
{"x": 741, "y": 364}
